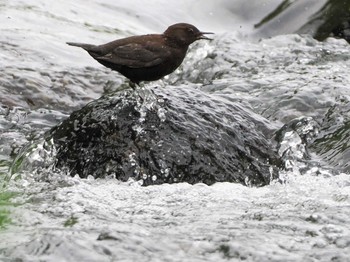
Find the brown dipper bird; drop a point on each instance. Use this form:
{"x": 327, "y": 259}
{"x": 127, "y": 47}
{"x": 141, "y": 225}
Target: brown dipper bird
{"x": 146, "y": 57}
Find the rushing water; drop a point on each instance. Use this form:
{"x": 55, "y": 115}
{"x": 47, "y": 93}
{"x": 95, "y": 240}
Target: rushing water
{"x": 298, "y": 87}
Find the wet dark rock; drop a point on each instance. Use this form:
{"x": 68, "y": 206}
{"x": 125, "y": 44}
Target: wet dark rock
{"x": 178, "y": 134}
{"x": 319, "y": 18}
{"x": 332, "y": 20}
{"x": 333, "y": 142}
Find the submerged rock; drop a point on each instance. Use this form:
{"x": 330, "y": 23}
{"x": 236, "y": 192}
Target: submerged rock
{"x": 178, "y": 134}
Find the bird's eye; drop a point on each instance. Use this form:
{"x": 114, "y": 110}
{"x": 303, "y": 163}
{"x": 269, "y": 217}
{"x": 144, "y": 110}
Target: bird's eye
{"x": 190, "y": 30}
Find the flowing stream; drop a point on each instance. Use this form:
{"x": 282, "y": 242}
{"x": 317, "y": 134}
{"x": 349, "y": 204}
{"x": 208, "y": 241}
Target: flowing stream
{"x": 296, "y": 87}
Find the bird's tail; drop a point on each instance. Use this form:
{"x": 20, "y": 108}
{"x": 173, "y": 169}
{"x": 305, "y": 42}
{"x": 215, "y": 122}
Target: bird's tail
{"x": 87, "y": 47}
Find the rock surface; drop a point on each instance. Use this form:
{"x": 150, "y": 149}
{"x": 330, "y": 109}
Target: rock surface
{"x": 164, "y": 136}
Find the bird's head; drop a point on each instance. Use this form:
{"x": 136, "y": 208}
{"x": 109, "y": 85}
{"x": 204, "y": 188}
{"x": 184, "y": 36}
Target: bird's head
{"x": 185, "y": 34}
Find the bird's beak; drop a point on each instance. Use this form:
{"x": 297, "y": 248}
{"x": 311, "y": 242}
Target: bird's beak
{"x": 201, "y": 35}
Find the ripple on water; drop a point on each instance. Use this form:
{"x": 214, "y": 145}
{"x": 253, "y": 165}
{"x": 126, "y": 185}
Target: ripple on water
{"x": 303, "y": 217}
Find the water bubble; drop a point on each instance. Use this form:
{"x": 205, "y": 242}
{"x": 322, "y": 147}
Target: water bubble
{"x": 166, "y": 172}
{"x": 132, "y": 159}
{"x": 161, "y": 114}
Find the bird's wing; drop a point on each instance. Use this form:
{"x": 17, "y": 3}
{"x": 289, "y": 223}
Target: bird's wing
{"x": 135, "y": 55}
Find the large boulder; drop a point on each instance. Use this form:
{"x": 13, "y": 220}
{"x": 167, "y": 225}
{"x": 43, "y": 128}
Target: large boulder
{"x": 173, "y": 134}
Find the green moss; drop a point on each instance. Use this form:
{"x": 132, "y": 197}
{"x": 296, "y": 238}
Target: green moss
{"x": 4, "y": 218}
{"x": 5, "y": 203}
{"x": 70, "y": 221}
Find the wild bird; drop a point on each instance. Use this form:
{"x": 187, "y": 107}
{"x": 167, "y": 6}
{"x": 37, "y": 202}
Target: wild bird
{"x": 146, "y": 57}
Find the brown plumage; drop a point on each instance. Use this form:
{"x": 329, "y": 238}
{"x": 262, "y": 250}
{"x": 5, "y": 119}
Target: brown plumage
{"x": 146, "y": 57}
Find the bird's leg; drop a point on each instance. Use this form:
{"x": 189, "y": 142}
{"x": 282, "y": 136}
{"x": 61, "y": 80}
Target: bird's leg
{"x": 133, "y": 84}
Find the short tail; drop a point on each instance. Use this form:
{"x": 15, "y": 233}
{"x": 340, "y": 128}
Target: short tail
{"x": 87, "y": 47}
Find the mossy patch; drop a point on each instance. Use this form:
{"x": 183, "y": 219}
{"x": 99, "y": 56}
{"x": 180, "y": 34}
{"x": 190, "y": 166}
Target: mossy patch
{"x": 70, "y": 221}
{"x": 5, "y": 203}
{"x": 4, "y": 218}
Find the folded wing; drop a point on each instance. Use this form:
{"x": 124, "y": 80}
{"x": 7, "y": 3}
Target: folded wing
{"x": 135, "y": 55}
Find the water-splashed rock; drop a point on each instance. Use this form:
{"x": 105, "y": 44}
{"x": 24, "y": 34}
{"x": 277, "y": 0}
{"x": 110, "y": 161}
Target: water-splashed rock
{"x": 178, "y": 134}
